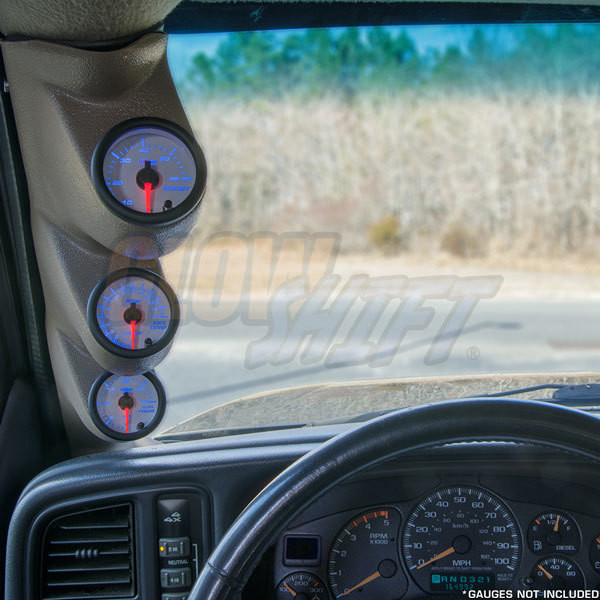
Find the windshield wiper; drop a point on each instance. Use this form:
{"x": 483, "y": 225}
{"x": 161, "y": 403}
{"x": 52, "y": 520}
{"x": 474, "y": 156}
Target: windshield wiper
{"x": 583, "y": 395}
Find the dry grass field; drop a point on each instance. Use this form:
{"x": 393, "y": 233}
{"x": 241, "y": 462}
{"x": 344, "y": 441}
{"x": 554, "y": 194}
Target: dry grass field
{"x": 479, "y": 183}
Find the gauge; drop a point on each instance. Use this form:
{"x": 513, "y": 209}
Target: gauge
{"x": 301, "y": 586}
{"x": 127, "y": 407}
{"x": 133, "y": 313}
{"x": 595, "y": 553}
{"x": 461, "y": 538}
{"x": 364, "y": 556}
{"x": 149, "y": 171}
{"x": 553, "y": 532}
{"x": 557, "y": 573}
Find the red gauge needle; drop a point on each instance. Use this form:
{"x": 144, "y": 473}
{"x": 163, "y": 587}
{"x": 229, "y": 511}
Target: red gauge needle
{"x": 126, "y": 420}
{"x": 148, "y": 192}
{"x": 133, "y": 335}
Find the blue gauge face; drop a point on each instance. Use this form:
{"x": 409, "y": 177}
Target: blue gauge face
{"x": 149, "y": 171}
{"x": 133, "y": 313}
{"x": 127, "y": 407}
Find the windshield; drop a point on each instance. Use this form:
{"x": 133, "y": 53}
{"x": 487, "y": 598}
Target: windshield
{"x": 384, "y": 203}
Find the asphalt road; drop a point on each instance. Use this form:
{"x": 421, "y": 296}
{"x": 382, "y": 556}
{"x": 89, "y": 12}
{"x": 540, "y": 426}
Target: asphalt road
{"x": 207, "y": 365}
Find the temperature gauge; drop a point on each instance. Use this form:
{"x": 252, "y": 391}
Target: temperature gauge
{"x": 149, "y": 171}
{"x": 127, "y": 407}
{"x": 133, "y": 313}
{"x": 302, "y": 586}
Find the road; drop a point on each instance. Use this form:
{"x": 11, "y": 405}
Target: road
{"x": 207, "y": 367}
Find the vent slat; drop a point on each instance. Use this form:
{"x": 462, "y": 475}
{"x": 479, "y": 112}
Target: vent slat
{"x": 89, "y": 536}
{"x": 104, "y": 551}
{"x": 119, "y": 591}
{"x": 83, "y": 579}
{"x": 97, "y": 564}
{"x": 89, "y": 555}
{"x": 103, "y": 521}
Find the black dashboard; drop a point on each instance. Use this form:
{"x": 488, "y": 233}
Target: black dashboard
{"x": 444, "y": 523}
{"x": 489, "y": 515}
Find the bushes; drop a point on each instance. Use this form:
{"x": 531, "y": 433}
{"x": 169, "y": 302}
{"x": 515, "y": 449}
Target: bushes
{"x": 459, "y": 240}
{"x": 384, "y": 234}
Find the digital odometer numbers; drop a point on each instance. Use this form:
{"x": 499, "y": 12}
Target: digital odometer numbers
{"x": 461, "y": 538}
{"x": 133, "y": 313}
{"x": 149, "y": 171}
{"x": 364, "y": 561}
{"x": 127, "y": 407}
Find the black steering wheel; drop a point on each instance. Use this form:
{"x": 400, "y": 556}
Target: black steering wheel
{"x": 265, "y": 518}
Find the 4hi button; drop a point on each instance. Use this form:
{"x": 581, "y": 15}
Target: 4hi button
{"x": 175, "y": 578}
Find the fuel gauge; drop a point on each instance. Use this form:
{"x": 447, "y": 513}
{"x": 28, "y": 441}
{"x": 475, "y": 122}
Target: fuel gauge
{"x": 127, "y": 407}
{"x": 133, "y": 313}
{"x": 553, "y": 532}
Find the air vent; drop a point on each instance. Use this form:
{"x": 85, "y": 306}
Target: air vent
{"x": 90, "y": 554}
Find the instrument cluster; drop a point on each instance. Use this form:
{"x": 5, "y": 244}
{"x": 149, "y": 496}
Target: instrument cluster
{"x": 453, "y": 539}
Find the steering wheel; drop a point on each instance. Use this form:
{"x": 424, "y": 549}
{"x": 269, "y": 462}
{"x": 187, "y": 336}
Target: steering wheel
{"x": 265, "y": 518}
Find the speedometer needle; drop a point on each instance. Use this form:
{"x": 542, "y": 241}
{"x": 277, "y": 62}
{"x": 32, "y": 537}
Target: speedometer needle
{"x": 289, "y": 589}
{"x": 366, "y": 580}
{"x": 443, "y": 554}
{"x": 126, "y": 420}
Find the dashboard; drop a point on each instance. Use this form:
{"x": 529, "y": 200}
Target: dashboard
{"x": 440, "y": 529}
{"x": 459, "y": 517}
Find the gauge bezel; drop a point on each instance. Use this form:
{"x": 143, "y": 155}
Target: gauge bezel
{"x": 157, "y": 280}
{"x": 192, "y": 200}
{"x": 127, "y": 437}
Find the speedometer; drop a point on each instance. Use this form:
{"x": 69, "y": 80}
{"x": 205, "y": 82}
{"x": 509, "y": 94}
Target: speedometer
{"x": 461, "y": 538}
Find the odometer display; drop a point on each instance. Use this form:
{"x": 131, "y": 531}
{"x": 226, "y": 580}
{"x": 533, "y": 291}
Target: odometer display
{"x": 461, "y": 531}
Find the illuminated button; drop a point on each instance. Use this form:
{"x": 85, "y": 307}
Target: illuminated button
{"x": 174, "y": 547}
{"x": 175, "y": 578}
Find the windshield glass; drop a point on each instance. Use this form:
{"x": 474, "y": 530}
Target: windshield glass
{"x": 386, "y": 202}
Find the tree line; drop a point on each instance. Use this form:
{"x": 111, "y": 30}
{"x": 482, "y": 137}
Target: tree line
{"x": 353, "y": 60}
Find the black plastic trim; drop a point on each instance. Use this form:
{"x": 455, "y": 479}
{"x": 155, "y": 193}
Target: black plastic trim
{"x": 191, "y": 202}
{"x": 127, "y": 437}
{"x": 152, "y": 278}
{"x": 211, "y": 17}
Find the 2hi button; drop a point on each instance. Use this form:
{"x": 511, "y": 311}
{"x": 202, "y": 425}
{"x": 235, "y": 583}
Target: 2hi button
{"x": 174, "y": 547}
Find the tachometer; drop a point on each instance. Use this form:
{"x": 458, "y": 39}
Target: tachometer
{"x": 364, "y": 557}
{"x": 461, "y": 538}
{"x": 149, "y": 171}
